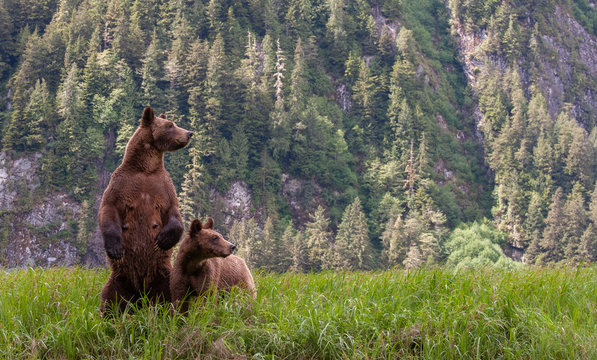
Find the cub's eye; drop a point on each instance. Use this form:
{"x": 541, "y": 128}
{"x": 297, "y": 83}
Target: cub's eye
{"x": 214, "y": 239}
{"x": 170, "y": 126}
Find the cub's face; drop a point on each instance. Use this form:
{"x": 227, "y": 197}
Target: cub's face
{"x": 165, "y": 134}
{"x": 210, "y": 242}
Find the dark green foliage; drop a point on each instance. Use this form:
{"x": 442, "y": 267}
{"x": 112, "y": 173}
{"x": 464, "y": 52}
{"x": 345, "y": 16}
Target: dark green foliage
{"x": 355, "y": 98}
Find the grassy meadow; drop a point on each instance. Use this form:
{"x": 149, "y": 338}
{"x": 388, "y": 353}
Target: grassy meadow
{"x": 532, "y": 313}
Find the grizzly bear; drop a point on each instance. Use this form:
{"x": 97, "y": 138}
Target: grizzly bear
{"x": 205, "y": 261}
{"x": 139, "y": 218}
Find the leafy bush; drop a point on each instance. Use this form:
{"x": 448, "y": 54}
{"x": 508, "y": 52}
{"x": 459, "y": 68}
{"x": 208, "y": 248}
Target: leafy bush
{"x": 477, "y": 245}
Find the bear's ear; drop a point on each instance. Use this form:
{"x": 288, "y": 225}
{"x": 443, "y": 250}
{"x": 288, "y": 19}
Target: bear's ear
{"x": 195, "y": 227}
{"x": 209, "y": 224}
{"x": 164, "y": 116}
{"x": 148, "y": 116}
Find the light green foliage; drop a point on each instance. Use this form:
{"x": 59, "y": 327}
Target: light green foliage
{"x": 245, "y": 235}
{"x": 429, "y": 314}
{"x": 317, "y": 239}
{"x": 352, "y": 248}
{"x": 477, "y": 245}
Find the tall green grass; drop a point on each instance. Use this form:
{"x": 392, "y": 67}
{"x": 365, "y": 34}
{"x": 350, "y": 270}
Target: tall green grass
{"x": 533, "y": 313}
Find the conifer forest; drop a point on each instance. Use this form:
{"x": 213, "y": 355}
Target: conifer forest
{"x": 328, "y": 134}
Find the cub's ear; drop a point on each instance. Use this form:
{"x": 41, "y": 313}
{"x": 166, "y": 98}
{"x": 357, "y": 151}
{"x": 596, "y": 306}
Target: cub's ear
{"x": 209, "y": 224}
{"x": 195, "y": 227}
{"x": 148, "y": 116}
{"x": 164, "y": 116}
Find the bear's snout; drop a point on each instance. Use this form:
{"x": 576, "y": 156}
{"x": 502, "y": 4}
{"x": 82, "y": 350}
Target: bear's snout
{"x": 232, "y": 247}
{"x": 189, "y": 135}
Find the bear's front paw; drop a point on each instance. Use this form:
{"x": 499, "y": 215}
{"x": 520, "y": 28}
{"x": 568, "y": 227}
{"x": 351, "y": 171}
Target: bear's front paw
{"x": 114, "y": 248}
{"x": 167, "y": 239}
{"x": 169, "y": 235}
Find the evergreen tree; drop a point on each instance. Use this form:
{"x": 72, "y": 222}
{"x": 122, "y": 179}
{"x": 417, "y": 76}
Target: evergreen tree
{"x": 6, "y": 44}
{"x": 244, "y": 234}
{"x": 336, "y": 21}
{"x": 363, "y": 95}
{"x": 352, "y": 66}
{"x": 174, "y": 67}
{"x": 39, "y": 116}
{"x": 298, "y": 84}
{"x": 151, "y": 74}
{"x": 213, "y": 10}
{"x": 352, "y": 247}
{"x": 27, "y": 127}
{"x": 85, "y": 227}
{"x": 297, "y": 253}
{"x": 213, "y": 93}
{"x": 414, "y": 258}
{"x": 318, "y": 236}
{"x": 287, "y": 242}
{"x": 393, "y": 242}
{"x": 194, "y": 198}
{"x": 269, "y": 251}
{"x": 534, "y": 222}
{"x": 580, "y": 160}
{"x": 240, "y": 152}
{"x": 554, "y": 229}
{"x": 588, "y": 244}
{"x": 298, "y": 18}
{"x": 575, "y": 222}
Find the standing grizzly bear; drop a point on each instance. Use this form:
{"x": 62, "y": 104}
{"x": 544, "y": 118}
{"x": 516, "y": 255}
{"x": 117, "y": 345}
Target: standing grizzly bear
{"x": 205, "y": 260}
{"x": 139, "y": 217}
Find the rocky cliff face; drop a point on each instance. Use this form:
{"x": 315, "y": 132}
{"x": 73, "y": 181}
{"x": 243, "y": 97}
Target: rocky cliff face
{"x": 567, "y": 49}
{"x": 35, "y": 233}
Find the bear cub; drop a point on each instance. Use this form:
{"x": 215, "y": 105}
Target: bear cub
{"x": 205, "y": 260}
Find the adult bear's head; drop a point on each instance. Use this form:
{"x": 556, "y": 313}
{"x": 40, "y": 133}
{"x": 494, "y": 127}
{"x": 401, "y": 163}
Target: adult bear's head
{"x": 165, "y": 135}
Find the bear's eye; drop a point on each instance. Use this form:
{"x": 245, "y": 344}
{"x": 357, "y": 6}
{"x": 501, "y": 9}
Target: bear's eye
{"x": 170, "y": 126}
{"x": 214, "y": 239}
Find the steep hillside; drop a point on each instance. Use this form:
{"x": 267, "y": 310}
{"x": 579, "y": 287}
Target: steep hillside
{"x": 319, "y": 124}
{"x": 533, "y": 69}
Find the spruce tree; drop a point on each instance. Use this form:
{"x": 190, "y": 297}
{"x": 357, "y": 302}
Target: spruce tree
{"x": 363, "y": 95}
{"x": 298, "y": 84}
{"x": 269, "y": 251}
{"x": 554, "y": 229}
{"x": 588, "y": 244}
{"x": 39, "y": 116}
{"x": 336, "y": 21}
{"x": 393, "y": 242}
{"x": 6, "y": 43}
{"x": 352, "y": 247}
{"x": 298, "y": 253}
{"x": 239, "y": 145}
{"x": 414, "y": 257}
{"x": 244, "y": 234}
{"x": 285, "y": 254}
{"x": 151, "y": 74}
{"x": 318, "y": 236}
{"x": 575, "y": 223}
{"x": 213, "y": 94}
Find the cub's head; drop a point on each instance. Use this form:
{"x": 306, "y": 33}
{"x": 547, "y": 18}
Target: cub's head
{"x": 209, "y": 242}
{"x": 165, "y": 135}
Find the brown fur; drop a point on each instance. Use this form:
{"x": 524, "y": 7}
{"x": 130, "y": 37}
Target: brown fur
{"x": 205, "y": 260}
{"x": 139, "y": 217}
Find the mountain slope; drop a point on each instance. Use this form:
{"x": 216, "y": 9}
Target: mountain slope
{"x": 416, "y": 107}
